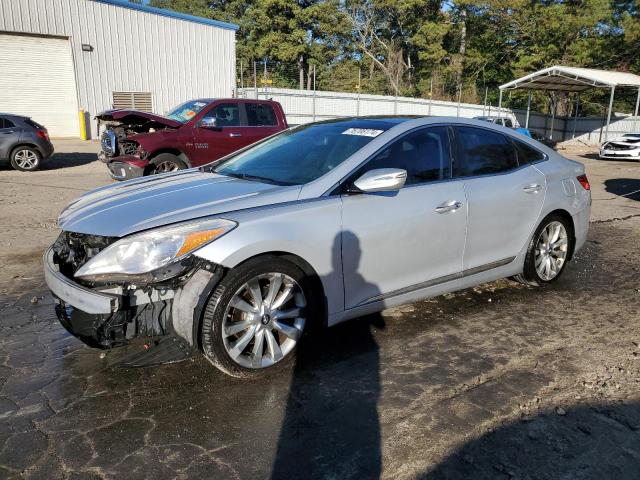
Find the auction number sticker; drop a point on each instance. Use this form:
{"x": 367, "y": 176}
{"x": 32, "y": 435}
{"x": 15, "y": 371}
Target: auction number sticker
{"x": 362, "y": 132}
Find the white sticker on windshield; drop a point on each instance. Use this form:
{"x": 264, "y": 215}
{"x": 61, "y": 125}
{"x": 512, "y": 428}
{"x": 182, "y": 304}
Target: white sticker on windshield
{"x": 363, "y": 132}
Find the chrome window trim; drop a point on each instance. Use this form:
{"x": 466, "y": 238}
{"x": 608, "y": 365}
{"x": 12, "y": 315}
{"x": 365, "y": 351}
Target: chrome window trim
{"x": 335, "y": 189}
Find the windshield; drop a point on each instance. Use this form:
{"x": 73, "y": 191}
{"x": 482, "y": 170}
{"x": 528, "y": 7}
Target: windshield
{"x": 301, "y": 155}
{"x": 186, "y": 111}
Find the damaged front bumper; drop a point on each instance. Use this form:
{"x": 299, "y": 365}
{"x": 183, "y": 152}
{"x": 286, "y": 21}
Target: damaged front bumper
{"x": 126, "y": 167}
{"x": 112, "y": 317}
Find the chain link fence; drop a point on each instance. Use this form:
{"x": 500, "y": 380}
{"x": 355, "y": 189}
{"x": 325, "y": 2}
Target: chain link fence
{"x": 319, "y": 93}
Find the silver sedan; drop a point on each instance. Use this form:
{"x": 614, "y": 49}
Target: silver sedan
{"x": 313, "y": 226}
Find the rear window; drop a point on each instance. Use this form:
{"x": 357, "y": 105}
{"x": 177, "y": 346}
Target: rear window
{"x": 527, "y": 154}
{"x": 33, "y": 124}
{"x": 260, "y": 115}
{"x": 483, "y": 152}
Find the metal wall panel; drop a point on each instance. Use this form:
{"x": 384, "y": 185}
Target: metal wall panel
{"x": 133, "y": 50}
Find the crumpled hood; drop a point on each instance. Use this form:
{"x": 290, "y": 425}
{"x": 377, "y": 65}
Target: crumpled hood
{"x": 148, "y": 202}
{"x": 137, "y": 117}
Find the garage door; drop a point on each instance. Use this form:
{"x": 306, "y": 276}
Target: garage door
{"x": 37, "y": 80}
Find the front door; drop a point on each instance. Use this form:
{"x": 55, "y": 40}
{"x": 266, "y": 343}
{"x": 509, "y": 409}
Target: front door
{"x": 505, "y": 198}
{"x": 399, "y": 241}
{"x": 213, "y": 142}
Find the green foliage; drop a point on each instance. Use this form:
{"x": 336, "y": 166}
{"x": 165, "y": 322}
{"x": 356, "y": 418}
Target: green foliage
{"x": 413, "y": 47}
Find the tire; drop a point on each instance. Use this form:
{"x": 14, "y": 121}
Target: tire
{"x": 537, "y": 270}
{"x": 232, "y": 307}
{"x": 166, "y": 162}
{"x": 25, "y": 159}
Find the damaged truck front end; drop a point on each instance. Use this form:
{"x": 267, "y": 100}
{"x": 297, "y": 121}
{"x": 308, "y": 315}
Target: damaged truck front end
{"x": 122, "y": 140}
{"x": 161, "y": 298}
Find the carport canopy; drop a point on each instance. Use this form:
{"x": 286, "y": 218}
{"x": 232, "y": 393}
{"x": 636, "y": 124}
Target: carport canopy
{"x": 574, "y": 79}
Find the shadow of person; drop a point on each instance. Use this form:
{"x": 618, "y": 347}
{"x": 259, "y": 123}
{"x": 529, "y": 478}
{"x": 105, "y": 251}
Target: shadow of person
{"x": 585, "y": 442}
{"x": 331, "y": 427}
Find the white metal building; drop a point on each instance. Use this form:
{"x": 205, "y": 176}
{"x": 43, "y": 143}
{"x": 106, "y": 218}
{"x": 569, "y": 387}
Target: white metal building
{"x": 60, "y": 56}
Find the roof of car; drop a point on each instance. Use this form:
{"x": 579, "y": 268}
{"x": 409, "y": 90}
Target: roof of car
{"x": 13, "y": 115}
{"x": 381, "y": 121}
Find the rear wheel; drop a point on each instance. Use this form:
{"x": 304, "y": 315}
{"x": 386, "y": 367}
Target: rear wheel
{"x": 548, "y": 251}
{"x": 256, "y": 317}
{"x": 167, "y": 162}
{"x": 25, "y": 159}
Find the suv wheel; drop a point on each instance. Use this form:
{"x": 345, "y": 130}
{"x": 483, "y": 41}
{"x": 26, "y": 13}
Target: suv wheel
{"x": 25, "y": 159}
{"x": 167, "y": 162}
{"x": 256, "y": 316}
{"x": 548, "y": 252}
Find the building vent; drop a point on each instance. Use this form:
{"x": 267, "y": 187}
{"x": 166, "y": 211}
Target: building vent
{"x": 133, "y": 100}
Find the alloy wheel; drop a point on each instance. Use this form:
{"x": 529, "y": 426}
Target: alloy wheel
{"x": 26, "y": 159}
{"x": 264, "y": 320}
{"x": 551, "y": 250}
{"x": 164, "y": 167}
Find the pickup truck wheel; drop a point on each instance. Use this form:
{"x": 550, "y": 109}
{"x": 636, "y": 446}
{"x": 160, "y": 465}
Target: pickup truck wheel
{"x": 255, "y": 319}
{"x": 25, "y": 159}
{"x": 167, "y": 162}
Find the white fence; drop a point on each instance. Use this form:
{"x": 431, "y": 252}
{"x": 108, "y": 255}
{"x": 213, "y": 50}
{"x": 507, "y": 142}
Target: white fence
{"x": 304, "y": 106}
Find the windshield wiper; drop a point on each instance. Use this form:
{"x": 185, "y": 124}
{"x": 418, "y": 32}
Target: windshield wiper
{"x": 246, "y": 176}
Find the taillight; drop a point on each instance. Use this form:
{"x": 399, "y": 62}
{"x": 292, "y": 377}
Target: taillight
{"x": 42, "y": 134}
{"x": 584, "y": 181}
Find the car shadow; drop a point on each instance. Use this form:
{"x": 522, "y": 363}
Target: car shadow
{"x": 624, "y": 187}
{"x": 586, "y": 442}
{"x": 331, "y": 427}
{"x": 67, "y": 160}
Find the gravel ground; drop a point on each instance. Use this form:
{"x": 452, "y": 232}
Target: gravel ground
{"x": 499, "y": 381}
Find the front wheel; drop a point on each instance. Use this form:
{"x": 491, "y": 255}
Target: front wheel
{"x": 166, "y": 162}
{"x": 548, "y": 252}
{"x": 256, "y": 316}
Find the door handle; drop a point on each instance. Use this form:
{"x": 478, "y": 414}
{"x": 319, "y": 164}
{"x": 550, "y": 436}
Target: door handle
{"x": 234, "y": 135}
{"x": 451, "y": 206}
{"x": 533, "y": 188}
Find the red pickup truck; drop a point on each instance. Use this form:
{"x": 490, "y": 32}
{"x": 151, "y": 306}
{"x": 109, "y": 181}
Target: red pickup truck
{"x": 136, "y": 143}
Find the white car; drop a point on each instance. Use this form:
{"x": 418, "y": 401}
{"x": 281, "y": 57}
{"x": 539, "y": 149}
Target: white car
{"x": 626, "y": 146}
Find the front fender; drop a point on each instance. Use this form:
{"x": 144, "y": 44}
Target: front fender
{"x": 310, "y": 230}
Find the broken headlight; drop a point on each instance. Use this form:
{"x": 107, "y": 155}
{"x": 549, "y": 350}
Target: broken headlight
{"x": 146, "y": 252}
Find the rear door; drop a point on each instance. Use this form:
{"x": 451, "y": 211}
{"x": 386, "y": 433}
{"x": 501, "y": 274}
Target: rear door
{"x": 505, "y": 198}
{"x": 9, "y": 136}
{"x": 212, "y": 143}
{"x": 261, "y": 121}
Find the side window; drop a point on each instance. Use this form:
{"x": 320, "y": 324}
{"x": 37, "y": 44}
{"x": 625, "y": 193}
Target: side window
{"x": 225, "y": 114}
{"x": 483, "y": 152}
{"x": 424, "y": 154}
{"x": 4, "y": 123}
{"x": 260, "y": 115}
{"x": 527, "y": 154}
{"x": 508, "y": 123}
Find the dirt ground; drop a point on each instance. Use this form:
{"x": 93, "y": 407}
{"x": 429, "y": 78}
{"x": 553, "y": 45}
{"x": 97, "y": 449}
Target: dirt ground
{"x": 499, "y": 381}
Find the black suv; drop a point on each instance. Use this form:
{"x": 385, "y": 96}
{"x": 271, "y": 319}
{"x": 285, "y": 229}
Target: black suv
{"x": 23, "y": 142}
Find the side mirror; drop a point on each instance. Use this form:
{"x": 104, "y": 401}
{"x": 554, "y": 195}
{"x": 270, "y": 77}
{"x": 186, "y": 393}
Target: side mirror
{"x": 208, "y": 122}
{"x": 381, "y": 180}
